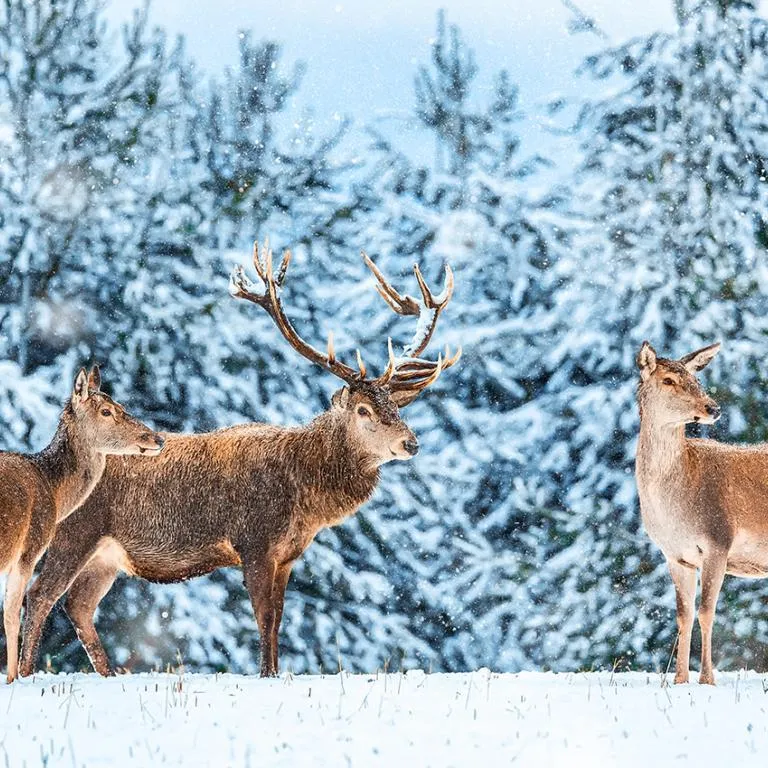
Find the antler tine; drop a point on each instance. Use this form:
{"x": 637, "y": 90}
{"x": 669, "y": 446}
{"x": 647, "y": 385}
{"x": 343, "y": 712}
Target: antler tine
{"x": 257, "y": 260}
{"x": 406, "y": 305}
{"x": 445, "y": 295}
{"x": 403, "y": 305}
{"x": 436, "y": 305}
{"x": 287, "y": 255}
{"x": 361, "y": 364}
{"x": 406, "y": 390}
{"x": 415, "y": 370}
{"x": 331, "y": 350}
{"x": 241, "y": 287}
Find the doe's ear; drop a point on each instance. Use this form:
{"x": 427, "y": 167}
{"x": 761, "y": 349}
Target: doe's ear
{"x": 701, "y": 358}
{"x": 80, "y": 388}
{"x": 94, "y": 379}
{"x": 646, "y": 360}
{"x": 340, "y": 398}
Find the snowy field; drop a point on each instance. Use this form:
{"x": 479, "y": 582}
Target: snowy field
{"x": 415, "y": 719}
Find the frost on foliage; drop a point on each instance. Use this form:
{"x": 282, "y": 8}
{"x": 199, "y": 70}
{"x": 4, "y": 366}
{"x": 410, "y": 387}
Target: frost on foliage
{"x": 130, "y": 186}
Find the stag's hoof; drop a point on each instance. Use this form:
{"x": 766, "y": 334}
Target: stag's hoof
{"x": 706, "y": 679}
{"x": 10, "y": 678}
{"x": 681, "y": 678}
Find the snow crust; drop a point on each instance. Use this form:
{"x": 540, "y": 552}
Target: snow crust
{"x": 413, "y": 719}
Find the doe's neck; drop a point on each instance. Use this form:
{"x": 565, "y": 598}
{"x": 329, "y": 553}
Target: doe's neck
{"x": 662, "y": 448}
{"x": 70, "y": 465}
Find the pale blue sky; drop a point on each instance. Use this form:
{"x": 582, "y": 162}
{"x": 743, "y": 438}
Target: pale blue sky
{"x": 362, "y": 56}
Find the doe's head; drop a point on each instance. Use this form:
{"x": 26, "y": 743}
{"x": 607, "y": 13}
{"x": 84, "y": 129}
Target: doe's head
{"x": 374, "y": 425}
{"x": 104, "y": 424}
{"x": 670, "y": 392}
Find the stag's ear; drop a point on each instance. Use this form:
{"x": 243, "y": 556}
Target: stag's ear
{"x": 94, "y": 379}
{"x": 646, "y": 361}
{"x": 80, "y": 388}
{"x": 340, "y": 398}
{"x": 701, "y": 358}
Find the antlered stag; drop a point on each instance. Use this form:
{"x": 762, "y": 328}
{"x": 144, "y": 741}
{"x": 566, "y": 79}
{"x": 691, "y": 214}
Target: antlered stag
{"x": 252, "y": 495}
{"x": 39, "y": 490}
{"x": 703, "y": 503}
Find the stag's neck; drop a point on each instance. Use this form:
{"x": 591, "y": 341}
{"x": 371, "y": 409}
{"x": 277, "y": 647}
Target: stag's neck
{"x": 69, "y": 465}
{"x": 333, "y": 468}
{"x": 662, "y": 450}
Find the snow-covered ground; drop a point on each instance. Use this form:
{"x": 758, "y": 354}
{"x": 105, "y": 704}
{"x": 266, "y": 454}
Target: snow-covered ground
{"x": 412, "y": 719}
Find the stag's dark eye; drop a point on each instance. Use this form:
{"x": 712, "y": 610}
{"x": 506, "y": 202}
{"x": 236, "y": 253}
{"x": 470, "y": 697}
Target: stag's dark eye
{"x": 363, "y": 411}
{"x": 669, "y": 382}
{"x": 106, "y": 412}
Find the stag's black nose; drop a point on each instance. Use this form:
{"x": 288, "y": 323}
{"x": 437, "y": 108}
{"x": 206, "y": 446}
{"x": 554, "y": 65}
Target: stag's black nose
{"x": 160, "y": 440}
{"x": 713, "y": 410}
{"x": 412, "y": 446}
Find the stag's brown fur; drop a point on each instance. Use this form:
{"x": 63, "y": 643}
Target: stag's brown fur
{"x": 39, "y": 490}
{"x": 703, "y": 503}
{"x": 252, "y": 495}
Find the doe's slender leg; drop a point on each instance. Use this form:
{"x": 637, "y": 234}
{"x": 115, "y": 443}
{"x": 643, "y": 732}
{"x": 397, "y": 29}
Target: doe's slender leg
{"x": 684, "y": 579}
{"x": 712, "y": 575}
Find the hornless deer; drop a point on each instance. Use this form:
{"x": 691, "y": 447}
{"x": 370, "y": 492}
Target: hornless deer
{"x": 703, "y": 503}
{"x": 39, "y": 490}
{"x": 252, "y": 495}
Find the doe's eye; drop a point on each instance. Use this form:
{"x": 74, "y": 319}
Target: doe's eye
{"x": 106, "y": 412}
{"x": 669, "y": 382}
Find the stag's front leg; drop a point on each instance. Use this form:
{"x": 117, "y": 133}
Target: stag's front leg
{"x": 282, "y": 575}
{"x": 712, "y": 575}
{"x": 684, "y": 580}
{"x": 260, "y": 583}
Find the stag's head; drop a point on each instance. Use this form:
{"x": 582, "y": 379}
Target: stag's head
{"x": 105, "y": 425}
{"x": 373, "y": 422}
{"x": 669, "y": 391}
{"x": 370, "y": 407}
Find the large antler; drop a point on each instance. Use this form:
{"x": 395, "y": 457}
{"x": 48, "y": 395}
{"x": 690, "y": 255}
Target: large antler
{"x": 408, "y": 375}
{"x": 242, "y": 288}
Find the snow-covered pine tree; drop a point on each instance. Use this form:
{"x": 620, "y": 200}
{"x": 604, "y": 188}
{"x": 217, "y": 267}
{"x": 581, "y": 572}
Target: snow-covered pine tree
{"x": 77, "y": 109}
{"x": 674, "y": 182}
{"x": 95, "y": 221}
{"x": 456, "y": 531}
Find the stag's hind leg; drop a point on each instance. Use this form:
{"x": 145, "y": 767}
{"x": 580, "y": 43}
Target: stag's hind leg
{"x": 684, "y": 579}
{"x": 259, "y": 573}
{"x": 282, "y": 574}
{"x": 83, "y": 598}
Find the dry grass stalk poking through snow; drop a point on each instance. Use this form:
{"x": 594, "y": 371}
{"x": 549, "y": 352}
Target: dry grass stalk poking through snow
{"x": 531, "y": 719}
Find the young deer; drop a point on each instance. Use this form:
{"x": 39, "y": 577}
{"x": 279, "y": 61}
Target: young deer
{"x": 252, "y": 495}
{"x": 39, "y": 490}
{"x": 703, "y": 503}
